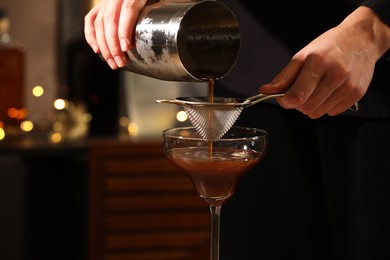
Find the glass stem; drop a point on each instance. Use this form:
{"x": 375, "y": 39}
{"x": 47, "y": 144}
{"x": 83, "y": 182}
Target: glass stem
{"x": 215, "y": 212}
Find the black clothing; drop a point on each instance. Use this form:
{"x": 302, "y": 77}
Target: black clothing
{"x": 381, "y": 8}
{"x": 271, "y": 35}
{"x": 322, "y": 191}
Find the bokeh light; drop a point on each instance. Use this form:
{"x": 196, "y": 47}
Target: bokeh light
{"x": 60, "y": 104}
{"x": 132, "y": 129}
{"x": 27, "y": 126}
{"x": 38, "y": 91}
{"x": 124, "y": 121}
{"x": 55, "y": 138}
{"x": 17, "y": 113}
{"x": 181, "y": 116}
{"x": 2, "y": 133}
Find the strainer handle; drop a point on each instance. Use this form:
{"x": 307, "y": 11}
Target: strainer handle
{"x": 261, "y": 97}
{"x": 171, "y": 101}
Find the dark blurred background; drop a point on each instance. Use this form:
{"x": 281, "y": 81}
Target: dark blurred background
{"x": 45, "y": 169}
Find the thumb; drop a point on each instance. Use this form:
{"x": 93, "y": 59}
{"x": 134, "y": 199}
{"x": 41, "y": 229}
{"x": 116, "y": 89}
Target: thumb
{"x": 284, "y": 79}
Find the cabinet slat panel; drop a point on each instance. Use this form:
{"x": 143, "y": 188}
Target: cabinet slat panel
{"x": 142, "y": 207}
{"x": 153, "y": 241}
{"x": 176, "y": 220}
{"x": 148, "y": 183}
{"x": 136, "y": 165}
{"x": 151, "y": 255}
{"x": 168, "y": 202}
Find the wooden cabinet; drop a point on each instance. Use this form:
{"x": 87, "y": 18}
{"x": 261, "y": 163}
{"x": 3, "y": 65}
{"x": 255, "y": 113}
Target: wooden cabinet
{"x": 142, "y": 207}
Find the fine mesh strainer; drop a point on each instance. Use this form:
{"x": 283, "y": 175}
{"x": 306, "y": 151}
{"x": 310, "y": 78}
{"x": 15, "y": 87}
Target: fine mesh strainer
{"x": 213, "y": 119}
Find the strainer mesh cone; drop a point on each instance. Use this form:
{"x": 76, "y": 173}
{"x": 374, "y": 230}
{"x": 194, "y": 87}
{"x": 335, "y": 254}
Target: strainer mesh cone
{"x": 212, "y": 122}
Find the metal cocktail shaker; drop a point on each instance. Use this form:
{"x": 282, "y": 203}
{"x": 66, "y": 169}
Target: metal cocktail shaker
{"x": 184, "y": 40}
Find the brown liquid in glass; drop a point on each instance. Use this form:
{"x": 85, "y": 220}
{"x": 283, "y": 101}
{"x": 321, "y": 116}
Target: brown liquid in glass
{"x": 214, "y": 171}
{"x": 215, "y": 176}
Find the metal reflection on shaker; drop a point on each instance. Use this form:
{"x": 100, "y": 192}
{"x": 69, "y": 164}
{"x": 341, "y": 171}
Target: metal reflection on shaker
{"x": 184, "y": 41}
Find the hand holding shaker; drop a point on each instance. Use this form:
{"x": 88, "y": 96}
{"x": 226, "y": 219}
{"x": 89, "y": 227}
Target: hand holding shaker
{"x": 184, "y": 40}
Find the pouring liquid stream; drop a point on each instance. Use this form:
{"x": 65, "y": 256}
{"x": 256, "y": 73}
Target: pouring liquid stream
{"x": 211, "y": 84}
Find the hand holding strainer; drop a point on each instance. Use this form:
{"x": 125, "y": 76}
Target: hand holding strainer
{"x": 213, "y": 119}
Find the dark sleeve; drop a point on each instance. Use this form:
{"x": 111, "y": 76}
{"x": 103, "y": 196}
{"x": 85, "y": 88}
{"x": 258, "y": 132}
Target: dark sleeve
{"x": 382, "y": 9}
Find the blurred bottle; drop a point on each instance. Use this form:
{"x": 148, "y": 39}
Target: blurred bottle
{"x": 12, "y": 76}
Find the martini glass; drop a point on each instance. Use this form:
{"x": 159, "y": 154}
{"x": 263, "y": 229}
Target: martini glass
{"x": 215, "y": 166}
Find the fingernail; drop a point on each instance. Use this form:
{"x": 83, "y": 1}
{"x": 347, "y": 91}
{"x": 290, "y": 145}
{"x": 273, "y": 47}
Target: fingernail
{"x": 125, "y": 45}
{"x": 94, "y": 48}
{"x": 112, "y": 64}
{"x": 119, "y": 61}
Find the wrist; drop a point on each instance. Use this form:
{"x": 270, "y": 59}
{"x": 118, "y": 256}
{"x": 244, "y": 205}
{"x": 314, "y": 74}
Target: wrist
{"x": 371, "y": 30}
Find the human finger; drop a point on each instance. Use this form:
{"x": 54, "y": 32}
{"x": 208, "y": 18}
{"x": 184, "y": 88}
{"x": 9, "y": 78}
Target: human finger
{"x": 127, "y": 22}
{"x": 284, "y": 79}
{"x": 346, "y": 101}
{"x": 322, "y": 97}
{"x": 306, "y": 82}
{"x": 101, "y": 37}
{"x": 89, "y": 28}
{"x": 111, "y": 23}
{"x": 333, "y": 102}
